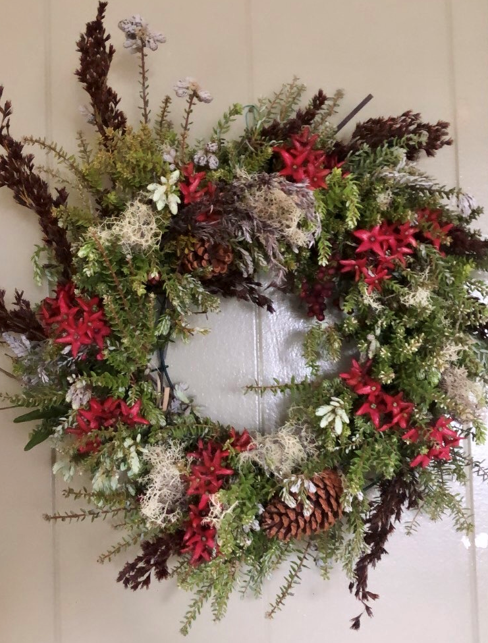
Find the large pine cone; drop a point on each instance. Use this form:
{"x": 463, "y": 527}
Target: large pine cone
{"x": 207, "y": 254}
{"x": 283, "y": 522}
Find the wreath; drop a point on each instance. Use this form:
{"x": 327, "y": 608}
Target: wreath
{"x": 383, "y": 261}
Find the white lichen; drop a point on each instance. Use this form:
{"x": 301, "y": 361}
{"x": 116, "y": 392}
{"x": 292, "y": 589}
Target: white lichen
{"x": 165, "y": 493}
{"x": 136, "y": 229}
{"x": 282, "y": 452}
{"x": 466, "y": 395}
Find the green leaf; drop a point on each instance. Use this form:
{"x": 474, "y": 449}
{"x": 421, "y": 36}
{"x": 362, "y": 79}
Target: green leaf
{"x": 41, "y": 414}
{"x": 39, "y": 435}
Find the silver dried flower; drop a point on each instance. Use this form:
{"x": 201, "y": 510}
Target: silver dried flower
{"x": 200, "y": 158}
{"x": 18, "y": 344}
{"x": 138, "y": 34}
{"x": 206, "y": 157}
{"x": 169, "y": 156}
{"x": 87, "y": 114}
{"x": 78, "y": 394}
{"x": 189, "y": 86}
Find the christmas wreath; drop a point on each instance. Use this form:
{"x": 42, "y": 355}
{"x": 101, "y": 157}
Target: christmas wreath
{"x": 157, "y": 227}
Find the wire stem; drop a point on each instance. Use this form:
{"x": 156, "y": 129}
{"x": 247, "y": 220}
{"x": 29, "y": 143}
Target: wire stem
{"x": 355, "y": 111}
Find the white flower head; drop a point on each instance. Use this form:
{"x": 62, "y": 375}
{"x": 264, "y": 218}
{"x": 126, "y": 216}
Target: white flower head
{"x": 189, "y": 86}
{"x": 138, "y": 35}
{"x": 163, "y": 193}
{"x": 333, "y": 413}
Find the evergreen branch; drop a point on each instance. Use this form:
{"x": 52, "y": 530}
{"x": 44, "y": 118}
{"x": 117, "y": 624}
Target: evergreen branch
{"x": 162, "y": 121}
{"x": 203, "y": 594}
{"x": 58, "y": 152}
{"x": 83, "y": 514}
{"x": 83, "y": 148}
{"x": 118, "y": 548}
{"x": 115, "y": 279}
{"x": 292, "y": 580}
{"x": 223, "y": 125}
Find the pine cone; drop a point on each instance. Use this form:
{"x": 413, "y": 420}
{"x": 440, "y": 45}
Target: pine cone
{"x": 205, "y": 254}
{"x": 283, "y": 522}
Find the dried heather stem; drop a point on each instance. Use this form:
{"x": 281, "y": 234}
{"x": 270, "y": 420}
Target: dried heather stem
{"x": 144, "y": 87}
{"x": 187, "y": 123}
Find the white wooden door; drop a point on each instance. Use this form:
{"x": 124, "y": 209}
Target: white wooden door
{"x": 429, "y": 55}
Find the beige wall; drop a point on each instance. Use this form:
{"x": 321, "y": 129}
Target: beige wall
{"x": 430, "y": 55}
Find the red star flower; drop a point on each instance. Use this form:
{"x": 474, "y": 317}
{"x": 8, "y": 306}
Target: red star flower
{"x": 304, "y": 164}
{"x": 190, "y": 188}
{"x": 315, "y": 173}
{"x": 400, "y": 410}
{"x": 103, "y": 414}
{"x": 373, "y": 239}
{"x": 444, "y": 439}
{"x": 81, "y": 431}
{"x": 412, "y": 435}
{"x": 241, "y": 441}
{"x": 356, "y": 265}
{"x": 75, "y": 333}
{"x": 130, "y": 414}
{"x": 356, "y": 376}
{"x": 436, "y": 232}
{"x": 371, "y": 388}
{"x": 375, "y": 278}
{"x": 199, "y": 538}
{"x": 74, "y": 320}
{"x": 207, "y": 473}
{"x": 423, "y": 459}
{"x": 374, "y": 410}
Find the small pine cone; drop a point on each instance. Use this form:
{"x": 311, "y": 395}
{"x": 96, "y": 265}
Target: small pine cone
{"x": 283, "y": 522}
{"x": 206, "y": 254}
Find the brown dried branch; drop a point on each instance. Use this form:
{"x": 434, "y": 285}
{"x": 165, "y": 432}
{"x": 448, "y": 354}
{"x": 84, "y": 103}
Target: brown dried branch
{"x": 281, "y": 131}
{"x": 375, "y": 132}
{"x": 95, "y": 60}
{"x": 17, "y": 172}
{"x": 395, "y": 496}
{"x": 153, "y": 560}
{"x": 21, "y": 319}
{"x": 466, "y": 243}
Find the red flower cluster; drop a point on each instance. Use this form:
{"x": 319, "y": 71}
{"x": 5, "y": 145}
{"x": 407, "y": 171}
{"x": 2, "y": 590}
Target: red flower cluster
{"x": 386, "y": 411}
{"x": 207, "y": 476}
{"x": 442, "y": 438}
{"x": 103, "y": 415}
{"x": 303, "y": 163}
{"x": 315, "y": 292}
{"x": 75, "y": 321}
{"x": 436, "y": 232}
{"x": 388, "y": 243}
{"x": 190, "y": 188}
{"x": 379, "y": 405}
